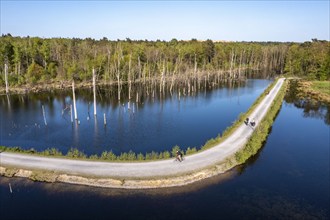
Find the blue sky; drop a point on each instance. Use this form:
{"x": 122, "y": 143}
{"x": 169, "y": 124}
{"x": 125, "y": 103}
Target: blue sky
{"x": 217, "y": 20}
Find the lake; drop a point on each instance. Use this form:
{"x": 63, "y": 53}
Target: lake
{"x": 287, "y": 179}
{"x": 153, "y": 124}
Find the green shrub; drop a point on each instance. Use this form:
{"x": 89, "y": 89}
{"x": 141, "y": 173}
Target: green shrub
{"x": 51, "y": 152}
{"x": 148, "y": 156}
{"x": 191, "y": 150}
{"x": 15, "y": 149}
{"x": 112, "y": 156}
{"x": 154, "y": 155}
{"x": 131, "y": 156}
{"x": 45, "y": 152}
{"x": 93, "y": 157}
{"x": 75, "y": 153}
{"x": 140, "y": 157}
{"x": 210, "y": 143}
{"x": 166, "y": 154}
{"x": 104, "y": 155}
{"x": 123, "y": 156}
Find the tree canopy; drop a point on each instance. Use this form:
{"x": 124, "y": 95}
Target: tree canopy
{"x": 33, "y": 59}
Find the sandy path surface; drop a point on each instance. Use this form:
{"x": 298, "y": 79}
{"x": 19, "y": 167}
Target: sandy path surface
{"x": 152, "y": 169}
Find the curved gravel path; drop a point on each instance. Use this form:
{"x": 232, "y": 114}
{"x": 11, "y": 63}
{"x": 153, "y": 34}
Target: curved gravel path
{"x": 152, "y": 169}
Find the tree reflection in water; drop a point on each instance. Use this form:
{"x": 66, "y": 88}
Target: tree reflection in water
{"x": 312, "y": 108}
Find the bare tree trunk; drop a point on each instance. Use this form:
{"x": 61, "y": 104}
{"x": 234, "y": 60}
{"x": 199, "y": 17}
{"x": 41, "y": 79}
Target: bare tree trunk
{"x": 74, "y": 102}
{"x": 94, "y": 91}
{"x": 240, "y": 64}
{"x": 118, "y": 83}
{"x": 162, "y": 81}
{"x": 195, "y": 70}
{"x": 118, "y": 77}
{"x": 44, "y": 114}
{"x": 129, "y": 77}
{"x": 231, "y": 64}
{"x": 71, "y": 113}
{"x": 140, "y": 67}
{"x": 108, "y": 72}
{"x": 145, "y": 72}
{"x": 6, "y": 78}
{"x": 188, "y": 86}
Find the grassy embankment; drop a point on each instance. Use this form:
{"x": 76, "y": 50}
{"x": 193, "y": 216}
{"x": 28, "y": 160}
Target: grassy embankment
{"x": 261, "y": 132}
{"x": 131, "y": 156}
{"x": 320, "y": 90}
{"x": 316, "y": 90}
{"x": 321, "y": 86}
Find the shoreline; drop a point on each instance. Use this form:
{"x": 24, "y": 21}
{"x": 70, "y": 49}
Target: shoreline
{"x": 187, "y": 176}
{"x": 116, "y": 183}
{"x": 48, "y": 86}
{"x": 67, "y": 84}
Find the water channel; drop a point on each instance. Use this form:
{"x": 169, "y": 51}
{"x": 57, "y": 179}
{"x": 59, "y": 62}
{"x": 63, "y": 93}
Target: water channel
{"x": 287, "y": 179}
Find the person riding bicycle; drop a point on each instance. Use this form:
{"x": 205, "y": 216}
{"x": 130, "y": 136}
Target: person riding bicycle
{"x": 178, "y": 155}
{"x": 253, "y": 123}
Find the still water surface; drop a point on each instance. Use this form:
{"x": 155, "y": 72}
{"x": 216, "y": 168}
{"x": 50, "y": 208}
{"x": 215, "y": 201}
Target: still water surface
{"x": 152, "y": 125}
{"x": 287, "y": 179}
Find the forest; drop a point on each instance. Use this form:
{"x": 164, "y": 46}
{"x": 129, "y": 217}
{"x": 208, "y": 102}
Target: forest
{"x": 34, "y": 60}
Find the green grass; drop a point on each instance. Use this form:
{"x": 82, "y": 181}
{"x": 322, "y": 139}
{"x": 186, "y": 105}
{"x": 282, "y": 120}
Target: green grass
{"x": 321, "y": 86}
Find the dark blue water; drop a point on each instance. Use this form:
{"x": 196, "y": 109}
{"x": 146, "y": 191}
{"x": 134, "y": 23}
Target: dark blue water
{"x": 287, "y": 179}
{"x": 154, "y": 125}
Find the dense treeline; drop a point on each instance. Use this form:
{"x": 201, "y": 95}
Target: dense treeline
{"x": 33, "y": 60}
{"x": 309, "y": 59}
